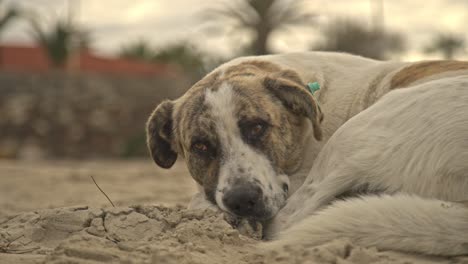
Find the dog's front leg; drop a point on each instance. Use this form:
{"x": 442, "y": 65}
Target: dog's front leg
{"x": 294, "y": 205}
{"x": 311, "y": 197}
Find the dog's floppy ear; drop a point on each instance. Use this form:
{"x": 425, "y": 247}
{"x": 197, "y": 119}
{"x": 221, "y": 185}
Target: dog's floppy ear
{"x": 160, "y": 136}
{"x": 288, "y": 87}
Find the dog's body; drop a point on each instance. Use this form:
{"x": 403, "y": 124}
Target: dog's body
{"x": 412, "y": 145}
{"x": 250, "y": 131}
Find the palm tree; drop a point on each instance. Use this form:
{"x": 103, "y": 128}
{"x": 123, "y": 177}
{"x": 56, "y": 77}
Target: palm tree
{"x": 260, "y": 18}
{"x": 6, "y": 16}
{"x": 448, "y": 44}
{"x": 347, "y": 35}
{"x": 63, "y": 38}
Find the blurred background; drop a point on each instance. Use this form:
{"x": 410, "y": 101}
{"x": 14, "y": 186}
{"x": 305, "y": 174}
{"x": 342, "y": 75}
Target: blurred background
{"x": 78, "y": 78}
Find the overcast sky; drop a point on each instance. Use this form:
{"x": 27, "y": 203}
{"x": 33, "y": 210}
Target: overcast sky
{"x": 116, "y": 22}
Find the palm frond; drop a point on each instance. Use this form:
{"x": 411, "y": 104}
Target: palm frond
{"x": 232, "y": 13}
{"x": 61, "y": 39}
{"x": 11, "y": 13}
{"x": 262, "y": 17}
{"x": 448, "y": 44}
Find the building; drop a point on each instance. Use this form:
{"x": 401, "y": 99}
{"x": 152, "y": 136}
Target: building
{"x": 34, "y": 59}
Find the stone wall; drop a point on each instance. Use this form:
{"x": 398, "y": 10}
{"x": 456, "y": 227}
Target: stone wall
{"x": 59, "y": 115}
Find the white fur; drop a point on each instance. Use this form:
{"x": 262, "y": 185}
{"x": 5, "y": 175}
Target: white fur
{"x": 399, "y": 222}
{"x": 350, "y": 84}
{"x": 239, "y": 155}
{"x": 412, "y": 141}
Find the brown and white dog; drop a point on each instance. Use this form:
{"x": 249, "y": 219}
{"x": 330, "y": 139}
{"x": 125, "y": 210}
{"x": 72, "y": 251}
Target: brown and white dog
{"x": 250, "y": 130}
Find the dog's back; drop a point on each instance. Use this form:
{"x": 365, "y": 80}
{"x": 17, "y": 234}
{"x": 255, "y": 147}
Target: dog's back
{"x": 413, "y": 140}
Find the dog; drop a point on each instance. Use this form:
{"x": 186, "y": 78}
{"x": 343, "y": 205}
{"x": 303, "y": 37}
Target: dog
{"x": 250, "y": 130}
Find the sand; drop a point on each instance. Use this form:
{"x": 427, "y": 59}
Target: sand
{"x": 147, "y": 226}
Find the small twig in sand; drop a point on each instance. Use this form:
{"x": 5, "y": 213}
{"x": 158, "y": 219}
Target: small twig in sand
{"x": 102, "y": 191}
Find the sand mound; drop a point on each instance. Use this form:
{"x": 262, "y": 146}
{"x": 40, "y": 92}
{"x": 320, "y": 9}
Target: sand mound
{"x": 137, "y": 234}
{"x": 140, "y": 234}
{"x": 156, "y": 234}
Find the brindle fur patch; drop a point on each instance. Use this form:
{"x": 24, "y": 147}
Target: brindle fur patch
{"x": 417, "y": 71}
{"x": 251, "y": 68}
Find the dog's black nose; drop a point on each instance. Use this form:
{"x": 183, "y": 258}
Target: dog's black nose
{"x": 244, "y": 200}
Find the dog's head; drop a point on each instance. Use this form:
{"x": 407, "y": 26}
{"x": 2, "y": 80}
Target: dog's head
{"x": 241, "y": 132}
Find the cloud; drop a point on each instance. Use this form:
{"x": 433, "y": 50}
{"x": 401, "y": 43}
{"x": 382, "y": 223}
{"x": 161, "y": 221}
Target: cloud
{"x": 115, "y": 22}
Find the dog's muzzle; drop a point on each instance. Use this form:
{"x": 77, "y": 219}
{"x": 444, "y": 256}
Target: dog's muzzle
{"x": 245, "y": 200}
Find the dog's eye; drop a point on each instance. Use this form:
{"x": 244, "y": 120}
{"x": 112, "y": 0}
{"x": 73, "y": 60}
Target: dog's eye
{"x": 203, "y": 149}
{"x": 254, "y": 130}
{"x": 200, "y": 147}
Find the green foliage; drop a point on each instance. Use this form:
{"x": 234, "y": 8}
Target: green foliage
{"x": 60, "y": 40}
{"x": 135, "y": 146}
{"x": 138, "y": 50}
{"x": 347, "y": 35}
{"x": 448, "y": 44}
{"x": 259, "y": 18}
{"x": 183, "y": 54}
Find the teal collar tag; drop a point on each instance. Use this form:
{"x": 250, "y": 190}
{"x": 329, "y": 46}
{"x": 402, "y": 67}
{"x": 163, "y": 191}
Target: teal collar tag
{"x": 313, "y": 87}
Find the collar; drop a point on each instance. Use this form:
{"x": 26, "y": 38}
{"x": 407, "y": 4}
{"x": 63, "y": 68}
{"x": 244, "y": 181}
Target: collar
{"x": 313, "y": 88}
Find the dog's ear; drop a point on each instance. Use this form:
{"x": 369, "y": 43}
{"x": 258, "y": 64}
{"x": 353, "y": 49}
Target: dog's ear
{"x": 288, "y": 87}
{"x": 160, "y": 135}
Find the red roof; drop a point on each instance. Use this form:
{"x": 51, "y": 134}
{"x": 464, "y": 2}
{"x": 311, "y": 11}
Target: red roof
{"x": 35, "y": 59}
{"x": 22, "y": 58}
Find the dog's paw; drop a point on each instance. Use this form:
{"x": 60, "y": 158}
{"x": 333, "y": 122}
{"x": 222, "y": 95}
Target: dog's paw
{"x": 251, "y": 228}
{"x": 247, "y": 227}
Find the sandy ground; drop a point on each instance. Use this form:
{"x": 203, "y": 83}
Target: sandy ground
{"x": 26, "y": 186}
{"x": 53, "y": 213}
